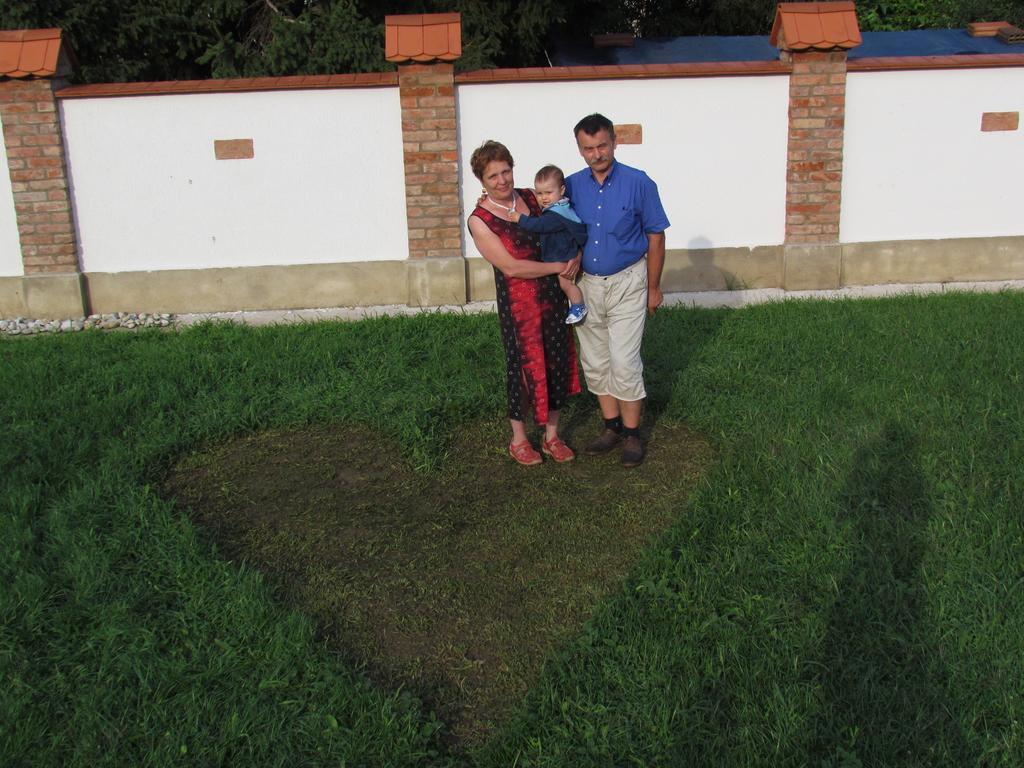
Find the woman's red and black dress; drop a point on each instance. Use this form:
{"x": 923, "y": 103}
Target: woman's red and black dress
{"x": 540, "y": 354}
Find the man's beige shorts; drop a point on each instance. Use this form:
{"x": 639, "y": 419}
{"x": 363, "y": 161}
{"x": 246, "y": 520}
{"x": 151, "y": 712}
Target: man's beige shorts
{"x": 610, "y": 336}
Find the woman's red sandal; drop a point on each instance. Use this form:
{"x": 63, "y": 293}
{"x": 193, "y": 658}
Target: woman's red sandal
{"x": 524, "y": 453}
{"x": 558, "y": 450}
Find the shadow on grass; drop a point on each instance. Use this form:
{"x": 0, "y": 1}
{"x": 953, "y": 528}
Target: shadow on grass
{"x": 886, "y": 693}
{"x": 455, "y": 586}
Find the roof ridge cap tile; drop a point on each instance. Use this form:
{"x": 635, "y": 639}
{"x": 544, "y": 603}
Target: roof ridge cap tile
{"x": 624, "y": 71}
{"x": 29, "y": 35}
{"x": 230, "y": 85}
{"x": 944, "y": 61}
{"x": 834, "y": 6}
{"x": 418, "y": 19}
{"x": 32, "y": 53}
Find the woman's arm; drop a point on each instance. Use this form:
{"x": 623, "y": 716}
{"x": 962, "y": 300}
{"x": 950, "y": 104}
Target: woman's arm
{"x": 491, "y": 249}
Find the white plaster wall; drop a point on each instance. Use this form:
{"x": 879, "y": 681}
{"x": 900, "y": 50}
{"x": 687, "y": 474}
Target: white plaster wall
{"x": 326, "y": 183}
{"x": 916, "y": 163}
{"x": 716, "y": 147}
{"x": 10, "y": 244}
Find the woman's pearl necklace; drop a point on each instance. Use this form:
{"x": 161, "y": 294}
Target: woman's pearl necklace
{"x": 508, "y": 208}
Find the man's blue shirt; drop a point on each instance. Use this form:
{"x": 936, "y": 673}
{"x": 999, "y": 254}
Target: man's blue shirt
{"x": 619, "y": 215}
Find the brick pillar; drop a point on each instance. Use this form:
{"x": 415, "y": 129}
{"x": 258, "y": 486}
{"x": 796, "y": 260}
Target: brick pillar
{"x": 814, "y": 38}
{"x": 52, "y": 285}
{"x": 814, "y": 169}
{"x": 431, "y": 160}
{"x": 424, "y": 47}
{"x": 35, "y": 158}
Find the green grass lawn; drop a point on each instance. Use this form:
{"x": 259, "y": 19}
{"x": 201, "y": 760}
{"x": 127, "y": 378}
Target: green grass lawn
{"x": 842, "y": 586}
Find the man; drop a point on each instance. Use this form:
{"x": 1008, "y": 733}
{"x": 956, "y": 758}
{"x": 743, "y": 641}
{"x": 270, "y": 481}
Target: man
{"x": 625, "y": 221}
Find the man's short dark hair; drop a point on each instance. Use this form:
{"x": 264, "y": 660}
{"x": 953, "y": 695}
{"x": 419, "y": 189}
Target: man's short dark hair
{"x": 591, "y": 124}
{"x": 550, "y": 172}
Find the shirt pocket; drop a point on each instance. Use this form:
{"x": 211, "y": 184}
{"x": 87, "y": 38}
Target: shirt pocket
{"x": 628, "y": 225}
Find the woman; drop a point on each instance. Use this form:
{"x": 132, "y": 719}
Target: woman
{"x": 539, "y": 351}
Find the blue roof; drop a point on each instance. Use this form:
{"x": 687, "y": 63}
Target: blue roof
{"x": 929, "y": 42}
{"x": 686, "y": 50}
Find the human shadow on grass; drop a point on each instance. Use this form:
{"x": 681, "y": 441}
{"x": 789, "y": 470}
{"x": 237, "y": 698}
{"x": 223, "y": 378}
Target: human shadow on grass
{"x": 886, "y": 691}
{"x": 457, "y": 585}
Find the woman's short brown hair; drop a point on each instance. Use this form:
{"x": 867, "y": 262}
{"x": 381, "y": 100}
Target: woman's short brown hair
{"x": 486, "y": 153}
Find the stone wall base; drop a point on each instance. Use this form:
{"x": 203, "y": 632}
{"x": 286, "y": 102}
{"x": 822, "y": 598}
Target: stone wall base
{"x": 722, "y": 269}
{"x": 454, "y": 281}
{"x": 969, "y": 259}
{"x": 480, "y": 280}
{"x": 436, "y": 282}
{"x": 701, "y": 269}
{"x": 47, "y": 295}
{"x": 229, "y": 290}
{"x": 811, "y": 267}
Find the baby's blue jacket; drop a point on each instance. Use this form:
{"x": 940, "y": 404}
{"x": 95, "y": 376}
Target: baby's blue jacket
{"x": 561, "y": 232}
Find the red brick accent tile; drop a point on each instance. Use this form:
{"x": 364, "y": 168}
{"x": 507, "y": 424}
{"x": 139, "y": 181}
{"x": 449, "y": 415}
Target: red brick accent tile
{"x": 1000, "y": 121}
{"x": 35, "y": 162}
{"x": 631, "y": 133}
{"x": 233, "y": 149}
{"x": 817, "y": 115}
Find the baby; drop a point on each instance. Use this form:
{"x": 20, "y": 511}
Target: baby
{"x": 562, "y": 234}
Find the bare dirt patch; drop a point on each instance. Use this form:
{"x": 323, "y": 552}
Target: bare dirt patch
{"x": 457, "y": 585}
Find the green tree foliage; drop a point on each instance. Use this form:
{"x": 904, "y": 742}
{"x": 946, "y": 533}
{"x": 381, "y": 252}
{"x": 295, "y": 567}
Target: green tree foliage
{"x": 890, "y": 15}
{"x": 120, "y": 40}
{"x": 670, "y": 18}
{"x": 130, "y": 40}
{"x": 272, "y": 38}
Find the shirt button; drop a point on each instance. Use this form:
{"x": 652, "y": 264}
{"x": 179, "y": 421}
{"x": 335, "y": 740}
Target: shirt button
{"x": 599, "y": 207}
{"x": 595, "y": 242}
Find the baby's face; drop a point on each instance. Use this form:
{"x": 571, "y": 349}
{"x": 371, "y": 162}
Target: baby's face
{"x": 548, "y": 192}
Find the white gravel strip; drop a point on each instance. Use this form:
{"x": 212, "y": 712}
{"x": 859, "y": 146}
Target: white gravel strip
{"x": 27, "y": 326}
{"x": 128, "y": 320}
{"x": 286, "y": 316}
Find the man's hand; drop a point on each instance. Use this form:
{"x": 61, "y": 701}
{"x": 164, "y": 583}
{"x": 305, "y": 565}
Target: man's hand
{"x": 654, "y": 299}
{"x": 655, "y": 264}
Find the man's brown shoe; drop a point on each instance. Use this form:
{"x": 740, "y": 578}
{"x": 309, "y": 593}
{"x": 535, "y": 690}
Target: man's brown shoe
{"x": 632, "y": 452}
{"x": 604, "y": 443}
